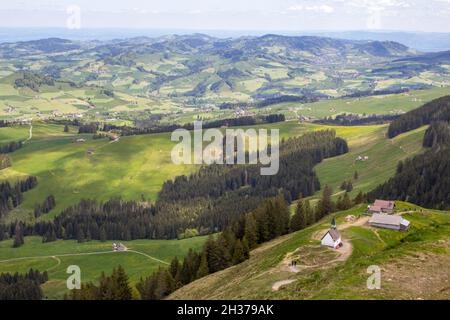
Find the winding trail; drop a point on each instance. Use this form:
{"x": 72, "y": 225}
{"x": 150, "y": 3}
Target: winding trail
{"x": 30, "y": 135}
{"x": 344, "y": 253}
{"x": 82, "y": 254}
{"x": 58, "y": 262}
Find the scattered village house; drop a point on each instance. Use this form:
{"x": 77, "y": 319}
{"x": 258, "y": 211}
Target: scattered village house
{"x": 389, "y": 222}
{"x": 382, "y": 206}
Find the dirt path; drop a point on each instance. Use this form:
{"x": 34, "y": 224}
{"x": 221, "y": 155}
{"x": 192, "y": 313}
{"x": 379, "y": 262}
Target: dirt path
{"x": 277, "y": 285}
{"x": 30, "y": 134}
{"x": 58, "y": 262}
{"x": 82, "y": 254}
{"x": 344, "y": 253}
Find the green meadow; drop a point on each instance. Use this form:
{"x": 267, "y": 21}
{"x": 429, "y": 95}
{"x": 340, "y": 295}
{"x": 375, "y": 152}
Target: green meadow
{"x": 400, "y": 255}
{"x": 93, "y": 257}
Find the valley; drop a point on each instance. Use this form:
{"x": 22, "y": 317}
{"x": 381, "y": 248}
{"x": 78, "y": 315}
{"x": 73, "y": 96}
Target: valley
{"x": 87, "y": 177}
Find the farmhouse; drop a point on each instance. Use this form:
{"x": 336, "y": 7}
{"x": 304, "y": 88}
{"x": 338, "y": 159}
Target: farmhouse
{"x": 389, "y": 222}
{"x": 382, "y": 206}
{"x": 118, "y": 247}
{"x": 332, "y": 239}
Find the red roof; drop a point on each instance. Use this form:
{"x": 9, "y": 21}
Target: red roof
{"x": 383, "y": 204}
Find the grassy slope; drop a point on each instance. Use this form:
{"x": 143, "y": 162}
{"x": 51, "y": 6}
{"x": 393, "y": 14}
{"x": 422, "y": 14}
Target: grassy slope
{"x": 138, "y": 165}
{"x": 383, "y": 153}
{"x": 132, "y": 167}
{"x": 428, "y": 240}
{"x": 136, "y": 265}
{"x": 383, "y": 104}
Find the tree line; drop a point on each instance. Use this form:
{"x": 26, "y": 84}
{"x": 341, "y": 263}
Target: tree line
{"x": 232, "y": 246}
{"x": 11, "y": 146}
{"x": 357, "y": 120}
{"x": 47, "y": 206}
{"x": 231, "y": 122}
{"x": 436, "y": 110}
{"x": 22, "y": 286}
{"x": 11, "y": 196}
{"x": 423, "y": 179}
{"x": 207, "y": 201}
{"x": 113, "y": 287}
{"x": 267, "y": 102}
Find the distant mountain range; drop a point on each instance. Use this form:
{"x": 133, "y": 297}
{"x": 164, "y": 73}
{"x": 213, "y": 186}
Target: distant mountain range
{"x": 421, "y": 41}
{"x": 186, "y": 68}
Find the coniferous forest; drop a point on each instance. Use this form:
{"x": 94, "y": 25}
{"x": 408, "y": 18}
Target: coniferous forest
{"x": 436, "y": 110}
{"x": 208, "y": 201}
{"x": 424, "y": 179}
{"x": 22, "y": 286}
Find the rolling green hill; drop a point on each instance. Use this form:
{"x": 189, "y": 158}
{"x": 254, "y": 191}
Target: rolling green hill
{"x": 137, "y": 166}
{"x": 142, "y": 258}
{"x": 413, "y": 264}
{"x": 174, "y": 75}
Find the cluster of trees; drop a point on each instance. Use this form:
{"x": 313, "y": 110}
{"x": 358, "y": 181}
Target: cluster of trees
{"x": 88, "y": 128}
{"x": 22, "y": 286}
{"x": 436, "y": 110}
{"x": 367, "y": 93}
{"x": 267, "y": 102}
{"x": 47, "y": 206}
{"x": 424, "y": 179}
{"x": 231, "y": 122}
{"x": 206, "y": 201}
{"x": 5, "y": 161}
{"x": 12, "y": 195}
{"x": 113, "y": 287}
{"x": 347, "y": 186}
{"x": 437, "y": 134}
{"x": 268, "y": 221}
{"x": 357, "y": 120}
{"x": 4, "y": 123}
{"x": 11, "y": 147}
{"x": 231, "y": 247}
{"x": 33, "y": 81}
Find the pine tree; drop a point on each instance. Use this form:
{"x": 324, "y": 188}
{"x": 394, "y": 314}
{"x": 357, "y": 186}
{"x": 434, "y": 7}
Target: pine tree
{"x": 102, "y": 234}
{"x": 359, "y": 198}
{"x": 122, "y": 287}
{"x": 299, "y": 220}
{"x": 349, "y": 186}
{"x": 203, "y": 270}
{"x": 246, "y": 248}
{"x": 310, "y": 214}
{"x": 238, "y": 254}
{"x": 346, "y": 202}
{"x": 251, "y": 231}
{"x": 326, "y": 205}
{"x": 18, "y": 236}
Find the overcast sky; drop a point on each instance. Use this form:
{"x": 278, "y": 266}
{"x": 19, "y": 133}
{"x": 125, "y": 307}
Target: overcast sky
{"x": 287, "y": 15}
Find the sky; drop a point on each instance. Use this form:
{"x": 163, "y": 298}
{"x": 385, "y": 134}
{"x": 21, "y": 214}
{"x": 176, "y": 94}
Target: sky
{"x": 287, "y": 15}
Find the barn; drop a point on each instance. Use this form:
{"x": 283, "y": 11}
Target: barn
{"x": 389, "y": 222}
{"x": 332, "y": 239}
{"x": 382, "y": 206}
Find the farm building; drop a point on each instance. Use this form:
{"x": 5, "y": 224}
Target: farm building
{"x": 332, "y": 239}
{"x": 382, "y": 206}
{"x": 118, "y": 247}
{"x": 389, "y": 222}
